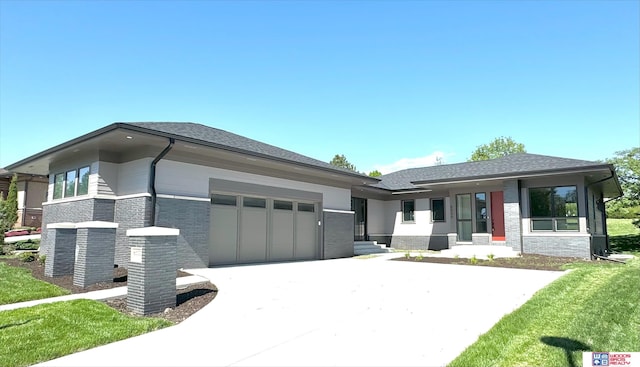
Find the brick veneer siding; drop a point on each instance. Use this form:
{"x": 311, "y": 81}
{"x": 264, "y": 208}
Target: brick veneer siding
{"x": 129, "y": 214}
{"x": 74, "y": 212}
{"x": 192, "y": 218}
{"x": 338, "y": 234}
{"x": 420, "y": 242}
{"x": 96, "y": 249}
{"x": 570, "y": 246}
{"x": 62, "y": 252}
{"x": 381, "y": 239}
{"x": 512, "y": 219}
{"x": 152, "y": 282}
{"x": 481, "y": 239}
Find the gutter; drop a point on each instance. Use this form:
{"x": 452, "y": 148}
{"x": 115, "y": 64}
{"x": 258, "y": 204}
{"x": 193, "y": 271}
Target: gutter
{"x": 604, "y": 209}
{"x": 152, "y": 180}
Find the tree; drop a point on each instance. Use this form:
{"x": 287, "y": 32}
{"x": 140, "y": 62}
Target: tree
{"x": 499, "y": 147}
{"x": 627, "y": 166}
{"x": 339, "y": 160}
{"x": 10, "y": 206}
{"x": 375, "y": 173}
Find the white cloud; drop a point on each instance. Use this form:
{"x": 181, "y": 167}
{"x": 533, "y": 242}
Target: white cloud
{"x": 405, "y": 163}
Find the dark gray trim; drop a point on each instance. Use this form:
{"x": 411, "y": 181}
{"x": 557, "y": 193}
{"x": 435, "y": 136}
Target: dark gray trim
{"x": 152, "y": 179}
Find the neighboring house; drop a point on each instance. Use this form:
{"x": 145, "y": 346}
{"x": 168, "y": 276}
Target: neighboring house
{"x": 32, "y": 190}
{"x": 237, "y": 200}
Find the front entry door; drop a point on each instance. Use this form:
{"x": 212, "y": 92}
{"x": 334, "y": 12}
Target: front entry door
{"x": 497, "y": 215}
{"x": 359, "y": 206}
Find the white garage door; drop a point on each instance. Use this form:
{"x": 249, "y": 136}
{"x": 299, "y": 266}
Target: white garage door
{"x": 249, "y": 229}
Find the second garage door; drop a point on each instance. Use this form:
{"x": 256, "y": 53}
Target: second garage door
{"x": 250, "y": 229}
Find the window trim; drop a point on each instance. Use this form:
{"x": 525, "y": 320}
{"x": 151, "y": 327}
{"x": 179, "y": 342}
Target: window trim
{"x": 444, "y": 211}
{"x": 554, "y": 218}
{"x": 412, "y": 213}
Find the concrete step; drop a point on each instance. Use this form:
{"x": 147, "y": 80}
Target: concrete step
{"x": 368, "y": 247}
{"x": 480, "y": 251}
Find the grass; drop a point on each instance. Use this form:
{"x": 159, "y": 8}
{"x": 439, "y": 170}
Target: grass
{"x": 623, "y": 236}
{"x": 48, "y": 331}
{"x": 17, "y": 285}
{"x": 595, "y": 307}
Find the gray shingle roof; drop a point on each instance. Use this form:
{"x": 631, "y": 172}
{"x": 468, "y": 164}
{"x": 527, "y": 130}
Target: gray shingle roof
{"x": 511, "y": 165}
{"x": 224, "y": 139}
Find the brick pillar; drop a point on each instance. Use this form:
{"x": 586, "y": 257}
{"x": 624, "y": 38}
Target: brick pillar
{"x": 451, "y": 239}
{"x": 151, "y": 283}
{"x": 95, "y": 252}
{"x": 61, "y": 254}
{"x": 512, "y": 219}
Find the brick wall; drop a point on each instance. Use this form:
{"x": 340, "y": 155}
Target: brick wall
{"x": 192, "y": 218}
{"x": 420, "y": 242}
{"x": 338, "y": 234}
{"x": 129, "y": 214}
{"x": 570, "y": 246}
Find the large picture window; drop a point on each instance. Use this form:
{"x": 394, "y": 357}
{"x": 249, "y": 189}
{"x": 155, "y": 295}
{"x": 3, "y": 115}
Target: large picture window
{"x": 554, "y": 208}
{"x": 408, "y": 208}
{"x": 71, "y": 183}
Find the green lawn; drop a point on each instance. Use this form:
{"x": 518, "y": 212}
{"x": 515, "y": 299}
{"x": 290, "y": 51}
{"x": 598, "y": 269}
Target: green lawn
{"x": 595, "y": 307}
{"x": 44, "y": 332}
{"x": 623, "y": 236}
{"x": 620, "y": 227}
{"x": 17, "y": 285}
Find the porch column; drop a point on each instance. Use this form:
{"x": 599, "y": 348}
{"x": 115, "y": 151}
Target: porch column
{"x": 95, "y": 253}
{"x": 512, "y": 217}
{"x": 61, "y": 256}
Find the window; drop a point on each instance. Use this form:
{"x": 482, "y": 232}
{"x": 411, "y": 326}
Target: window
{"x": 282, "y": 205}
{"x": 228, "y": 200}
{"x": 554, "y": 208}
{"x": 83, "y": 180}
{"x": 254, "y": 202}
{"x": 71, "y": 183}
{"x": 481, "y": 212}
{"x": 58, "y": 185}
{"x": 437, "y": 210}
{"x": 408, "y": 207}
{"x": 304, "y": 207}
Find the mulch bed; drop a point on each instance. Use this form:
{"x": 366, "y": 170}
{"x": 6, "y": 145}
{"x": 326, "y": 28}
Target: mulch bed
{"x": 188, "y": 300}
{"x": 527, "y": 261}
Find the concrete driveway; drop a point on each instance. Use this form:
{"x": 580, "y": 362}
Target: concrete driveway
{"x": 346, "y": 312}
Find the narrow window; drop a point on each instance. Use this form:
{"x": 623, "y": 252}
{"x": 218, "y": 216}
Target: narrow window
{"x": 228, "y": 200}
{"x": 70, "y": 184}
{"x": 437, "y": 210}
{"x": 58, "y": 185}
{"x": 282, "y": 205}
{"x": 83, "y": 180}
{"x": 408, "y": 207}
{"x": 248, "y": 202}
{"x": 305, "y": 207}
{"x": 481, "y": 212}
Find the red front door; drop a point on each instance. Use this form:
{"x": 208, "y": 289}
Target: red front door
{"x": 497, "y": 215}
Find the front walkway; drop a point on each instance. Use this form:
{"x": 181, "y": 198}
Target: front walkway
{"x": 346, "y": 312}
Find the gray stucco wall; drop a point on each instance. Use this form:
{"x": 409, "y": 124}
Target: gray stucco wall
{"x": 338, "y": 234}
{"x": 129, "y": 214}
{"x": 420, "y": 242}
{"x": 192, "y": 218}
{"x": 512, "y": 219}
{"x": 569, "y": 246}
{"x": 74, "y": 212}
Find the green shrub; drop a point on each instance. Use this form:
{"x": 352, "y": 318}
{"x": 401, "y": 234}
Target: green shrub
{"x": 491, "y": 256}
{"x": 473, "y": 260}
{"x": 27, "y": 257}
{"x": 419, "y": 257}
{"x": 32, "y": 244}
{"x": 42, "y": 259}
{"x": 407, "y": 255}
{"x": 456, "y": 256}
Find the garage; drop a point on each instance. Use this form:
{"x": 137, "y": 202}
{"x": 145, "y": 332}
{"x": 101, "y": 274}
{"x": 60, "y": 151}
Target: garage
{"x": 248, "y": 228}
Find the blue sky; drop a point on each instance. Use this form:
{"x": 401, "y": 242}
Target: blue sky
{"x": 388, "y": 84}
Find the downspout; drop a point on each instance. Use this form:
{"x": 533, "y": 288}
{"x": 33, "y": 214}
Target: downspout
{"x": 152, "y": 180}
{"x": 604, "y": 208}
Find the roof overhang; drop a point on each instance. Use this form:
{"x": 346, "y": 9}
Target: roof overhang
{"x": 120, "y": 142}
